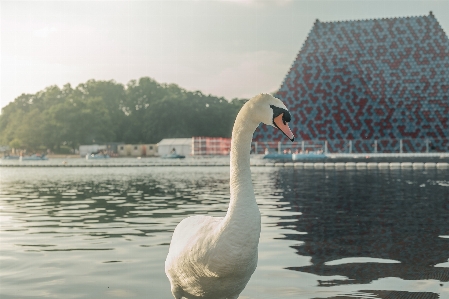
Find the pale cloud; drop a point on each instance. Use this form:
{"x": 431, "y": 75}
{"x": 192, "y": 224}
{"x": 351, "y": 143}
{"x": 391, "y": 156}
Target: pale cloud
{"x": 246, "y": 74}
{"x": 44, "y": 32}
{"x": 231, "y": 75}
{"x": 230, "y": 48}
{"x": 259, "y": 2}
{"x": 245, "y": 1}
{"x": 250, "y": 74}
{"x": 28, "y": 75}
{"x": 250, "y": 2}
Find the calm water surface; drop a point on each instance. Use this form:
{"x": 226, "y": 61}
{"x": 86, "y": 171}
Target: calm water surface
{"x": 105, "y": 232}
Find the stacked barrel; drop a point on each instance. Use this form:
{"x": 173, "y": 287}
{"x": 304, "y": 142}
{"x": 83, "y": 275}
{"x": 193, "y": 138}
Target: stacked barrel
{"x": 383, "y": 79}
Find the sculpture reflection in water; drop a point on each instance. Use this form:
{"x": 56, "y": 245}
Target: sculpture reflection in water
{"x": 116, "y": 225}
{"x": 390, "y": 215}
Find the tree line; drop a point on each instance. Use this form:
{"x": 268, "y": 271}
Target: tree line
{"x": 96, "y": 112}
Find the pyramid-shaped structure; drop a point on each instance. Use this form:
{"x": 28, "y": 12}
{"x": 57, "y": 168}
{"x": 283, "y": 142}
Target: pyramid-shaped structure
{"x": 380, "y": 79}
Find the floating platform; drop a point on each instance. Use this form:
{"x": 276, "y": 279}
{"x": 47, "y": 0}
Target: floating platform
{"x": 275, "y": 156}
{"x": 305, "y": 165}
{"x": 388, "y": 155}
{"x": 310, "y": 156}
{"x": 359, "y": 165}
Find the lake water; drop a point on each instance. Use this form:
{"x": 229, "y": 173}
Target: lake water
{"x": 105, "y": 232}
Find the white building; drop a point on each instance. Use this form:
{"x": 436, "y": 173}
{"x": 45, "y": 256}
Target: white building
{"x": 183, "y": 146}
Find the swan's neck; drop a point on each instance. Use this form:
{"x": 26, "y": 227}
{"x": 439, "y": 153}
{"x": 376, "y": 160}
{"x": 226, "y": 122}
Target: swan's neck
{"x": 243, "y": 203}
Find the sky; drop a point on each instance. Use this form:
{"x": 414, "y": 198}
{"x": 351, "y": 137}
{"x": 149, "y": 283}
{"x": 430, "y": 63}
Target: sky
{"x": 227, "y": 48}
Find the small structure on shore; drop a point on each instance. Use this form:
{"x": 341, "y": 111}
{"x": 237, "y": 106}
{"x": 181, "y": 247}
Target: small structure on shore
{"x": 137, "y": 150}
{"x": 195, "y": 146}
{"x": 182, "y": 146}
{"x": 91, "y": 148}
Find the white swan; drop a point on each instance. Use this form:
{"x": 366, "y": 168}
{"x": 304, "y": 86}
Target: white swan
{"x": 214, "y": 257}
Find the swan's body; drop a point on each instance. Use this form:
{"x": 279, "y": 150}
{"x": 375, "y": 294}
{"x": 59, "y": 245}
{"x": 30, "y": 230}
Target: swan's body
{"x": 214, "y": 257}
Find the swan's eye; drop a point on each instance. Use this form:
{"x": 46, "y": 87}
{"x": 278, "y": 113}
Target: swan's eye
{"x": 286, "y": 117}
{"x": 278, "y": 111}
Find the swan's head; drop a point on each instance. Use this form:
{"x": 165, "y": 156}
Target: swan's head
{"x": 271, "y": 111}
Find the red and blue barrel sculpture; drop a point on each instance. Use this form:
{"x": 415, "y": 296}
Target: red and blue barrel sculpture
{"x": 381, "y": 79}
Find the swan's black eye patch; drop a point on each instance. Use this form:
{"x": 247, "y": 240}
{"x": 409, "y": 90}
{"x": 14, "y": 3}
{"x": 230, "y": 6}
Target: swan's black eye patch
{"x": 277, "y": 111}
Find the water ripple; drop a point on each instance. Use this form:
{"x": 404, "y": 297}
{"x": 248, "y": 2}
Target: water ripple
{"x": 85, "y": 233}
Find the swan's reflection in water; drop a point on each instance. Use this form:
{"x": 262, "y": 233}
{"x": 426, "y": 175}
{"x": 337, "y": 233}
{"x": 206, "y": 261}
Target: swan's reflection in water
{"x": 97, "y": 233}
{"x": 395, "y": 222}
{"x": 66, "y": 233}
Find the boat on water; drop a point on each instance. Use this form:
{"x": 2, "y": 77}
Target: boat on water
{"x": 33, "y": 157}
{"x": 276, "y": 156}
{"x": 8, "y": 157}
{"x": 294, "y": 157}
{"x": 308, "y": 156}
{"x": 173, "y": 156}
{"x": 97, "y": 156}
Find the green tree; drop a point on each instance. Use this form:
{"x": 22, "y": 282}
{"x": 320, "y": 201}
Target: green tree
{"x": 15, "y": 143}
{"x": 103, "y": 111}
{"x": 114, "y": 99}
{"x": 80, "y": 121}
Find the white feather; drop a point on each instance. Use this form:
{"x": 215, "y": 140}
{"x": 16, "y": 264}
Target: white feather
{"x": 214, "y": 257}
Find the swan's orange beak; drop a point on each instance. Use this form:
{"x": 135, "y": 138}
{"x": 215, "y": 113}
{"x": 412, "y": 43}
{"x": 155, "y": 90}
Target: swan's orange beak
{"x": 283, "y": 126}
